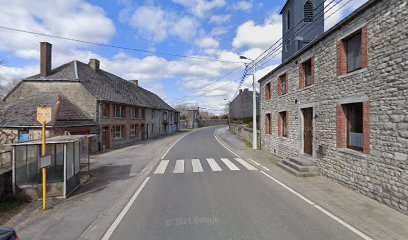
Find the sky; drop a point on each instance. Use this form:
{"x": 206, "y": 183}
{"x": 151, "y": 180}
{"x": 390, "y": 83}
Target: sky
{"x": 219, "y": 30}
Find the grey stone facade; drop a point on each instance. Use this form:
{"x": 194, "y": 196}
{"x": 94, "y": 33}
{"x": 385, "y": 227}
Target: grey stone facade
{"x": 380, "y": 173}
{"x": 241, "y": 106}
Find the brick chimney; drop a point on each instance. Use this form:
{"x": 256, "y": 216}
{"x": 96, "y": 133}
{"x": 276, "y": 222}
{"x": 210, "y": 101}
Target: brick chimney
{"x": 45, "y": 58}
{"x": 94, "y": 64}
{"x": 136, "y": 82}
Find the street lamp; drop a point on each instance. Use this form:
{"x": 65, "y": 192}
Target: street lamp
{"x": 254, "y": 129}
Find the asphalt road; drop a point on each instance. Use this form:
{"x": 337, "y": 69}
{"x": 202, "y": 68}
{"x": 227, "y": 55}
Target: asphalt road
{"x": 219, "y": 199}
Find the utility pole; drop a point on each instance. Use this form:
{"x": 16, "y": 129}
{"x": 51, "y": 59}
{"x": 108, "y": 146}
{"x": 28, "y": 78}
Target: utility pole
{"x": 254, "y": 128}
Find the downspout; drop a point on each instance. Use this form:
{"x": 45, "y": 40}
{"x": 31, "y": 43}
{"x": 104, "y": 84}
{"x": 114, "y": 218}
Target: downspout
{"x": 98, "y": 121}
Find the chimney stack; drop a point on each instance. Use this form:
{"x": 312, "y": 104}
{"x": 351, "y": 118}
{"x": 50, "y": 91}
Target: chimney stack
{"x": 240, "y": 90}
{"x": 136, "y": 82}
{"x": 45, "y": 58}
{"x": 94, "y": 64}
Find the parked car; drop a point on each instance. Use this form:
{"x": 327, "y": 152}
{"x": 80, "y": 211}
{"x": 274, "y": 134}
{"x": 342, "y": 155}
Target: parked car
{"x": 7, "y": 233}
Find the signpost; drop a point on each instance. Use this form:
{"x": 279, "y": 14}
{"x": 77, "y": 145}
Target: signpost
{"x": 44, "y": 117}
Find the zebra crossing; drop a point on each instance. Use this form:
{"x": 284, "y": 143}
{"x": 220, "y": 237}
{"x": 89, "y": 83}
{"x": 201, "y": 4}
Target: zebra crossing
{"x": 214, "y": 165}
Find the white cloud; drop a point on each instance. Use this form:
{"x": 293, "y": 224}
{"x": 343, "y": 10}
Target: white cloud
{"x": 15, "y": 73}
{"x": 259, "y": 36}
{"x": 243, "y": 5}
{"x": 200, "y": 7}
{"x": 185, "y": 28}
{"x": 338, "y": 12}
{"x": 208, "y": 42}
{"x": 150, "y": 21}
{"x": 220, "y": 19}
{"x": 156, "y": 24}
{"x": 72, "y": 19}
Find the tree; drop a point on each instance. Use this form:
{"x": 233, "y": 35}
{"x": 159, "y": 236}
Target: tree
{"x": 4, "y": 89}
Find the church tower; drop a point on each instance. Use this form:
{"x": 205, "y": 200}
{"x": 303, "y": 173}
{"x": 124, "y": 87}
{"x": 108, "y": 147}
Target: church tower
{"x": 302, "y": 21}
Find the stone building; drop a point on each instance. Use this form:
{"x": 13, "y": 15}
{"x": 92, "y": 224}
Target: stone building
{"x": 340, "y": 104}
{"x": 122, "y": 111}
{"x": 241, "y": 106}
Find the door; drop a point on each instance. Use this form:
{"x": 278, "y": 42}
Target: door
{"x": 308, "y": 131}
{"x": 105, "y": 138}
{"x": 143, "y": 132}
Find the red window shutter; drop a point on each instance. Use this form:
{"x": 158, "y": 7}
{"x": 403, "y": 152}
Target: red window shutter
{"x": 313, "y": 71}
{"x": 301, "y": 76}
{"x": 366, "y": 127}
{"x": 364, "y": 47}
{"x": 341, "y": 58}
{"x": 279, "y": 87}
{"x": 280, "y": 125}
{"x": 341, "y": 127}
{"x": 287, "y": 83}
{"x": 287, "y": 124}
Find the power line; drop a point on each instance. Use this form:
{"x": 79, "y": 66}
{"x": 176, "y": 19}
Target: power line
{"x": 303, "y": 28}
{"x": 291, "y": 30}
{"x": 320, "y": 14}
{"x": 212, "y": 82}
{"x": 270, "y": 58}
{"x": 116, "y": 46}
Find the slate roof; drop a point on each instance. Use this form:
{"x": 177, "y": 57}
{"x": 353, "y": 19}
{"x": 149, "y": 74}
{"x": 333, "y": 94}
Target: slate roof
{"x": 23, "y": 113}
{"x": 104, "y": 86}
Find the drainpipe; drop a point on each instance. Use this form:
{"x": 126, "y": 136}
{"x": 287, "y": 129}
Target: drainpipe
{"x": 99, "y": 108}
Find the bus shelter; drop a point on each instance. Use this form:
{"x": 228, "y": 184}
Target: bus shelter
{"x": 67, "y": 153}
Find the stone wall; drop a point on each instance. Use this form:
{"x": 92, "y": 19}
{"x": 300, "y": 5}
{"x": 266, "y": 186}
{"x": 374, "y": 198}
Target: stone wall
{"x": 244, "y": 132}
{"x": 381, "y": 170}
{"x": 212, "y": 122}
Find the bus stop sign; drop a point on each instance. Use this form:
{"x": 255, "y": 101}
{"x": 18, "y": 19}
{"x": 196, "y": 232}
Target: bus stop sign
{"x": 44, "y": 115}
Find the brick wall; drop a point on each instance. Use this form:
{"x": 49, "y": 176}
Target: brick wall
{"x": 380, "y": 170}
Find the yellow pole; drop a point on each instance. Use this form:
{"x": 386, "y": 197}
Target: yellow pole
{"x": 44, "y": 170}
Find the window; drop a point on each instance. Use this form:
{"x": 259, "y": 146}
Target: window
{"x": 118, "y": 132}
{"x": 119, "y": 111}
{"x": 132, "y": 130}
{"x": 306, "y": 74}
{"x": 352, "y": 52}
{"x": 283, "y": 85}
{"x": 308, "y": 11}
{"x": 143, "y": 113}
{"x": 283, "y": 124}
{"x": 268, "y": 122}
{"x": 268, "y": 91}
{"x": 353, "y": 126}
{"x": 353, "y": 49}
{"x": 133, "y": 113}
{"x": 288, "y": 19}
{"x": 106, "y": 110}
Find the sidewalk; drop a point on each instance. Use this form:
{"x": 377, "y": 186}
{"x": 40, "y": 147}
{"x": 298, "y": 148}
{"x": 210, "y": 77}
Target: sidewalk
{"x": 369, "y": 216}
{"x": 91, "y": 209}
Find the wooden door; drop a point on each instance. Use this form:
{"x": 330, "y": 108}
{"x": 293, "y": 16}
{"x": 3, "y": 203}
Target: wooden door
{"x": 143, "y": 132}
{"x": 105, "y": 138}
{"x": 308, "y": 131}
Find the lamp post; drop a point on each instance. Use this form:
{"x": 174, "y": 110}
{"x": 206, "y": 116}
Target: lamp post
{"x": 254, "y": 128}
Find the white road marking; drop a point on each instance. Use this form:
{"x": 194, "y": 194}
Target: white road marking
{"x": 213, "y": 165}
{"x": 112, "y": 228}
{"x": 267, "y": 169}
{"x": 229, "y": 164}
{"x": 236, "y": 155}
{"x": 256, "y": 163}
{"x": 197, "y": 165}
{"x": 162, "y": 167}
{"x": 168, "y": 150}
{"x": 348, "y": 226}
{"x": 246, "y": 164}
{"x": 179, "y": 168}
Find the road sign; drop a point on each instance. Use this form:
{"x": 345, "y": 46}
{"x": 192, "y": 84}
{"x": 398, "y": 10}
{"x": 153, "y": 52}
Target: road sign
{"x": 45, "y": 161}
{"x": 44, "y": 115}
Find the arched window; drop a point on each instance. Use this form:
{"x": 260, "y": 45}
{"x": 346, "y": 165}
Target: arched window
{"x": 288, "y": 19}
{"x": 308, "y": 11}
